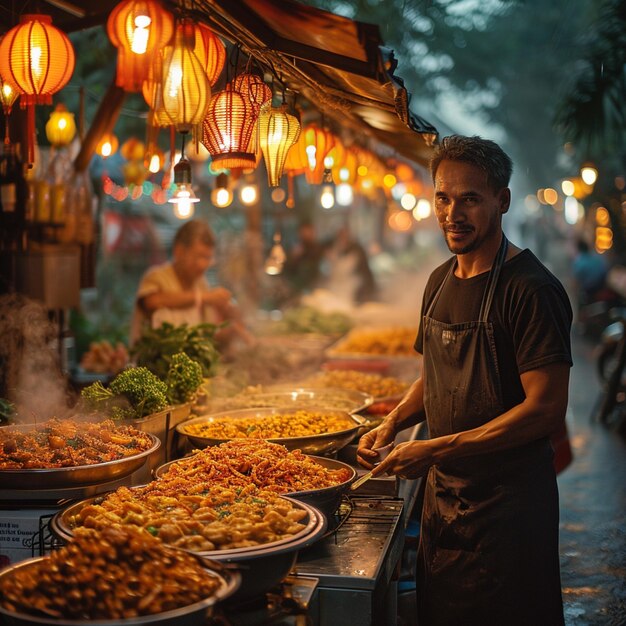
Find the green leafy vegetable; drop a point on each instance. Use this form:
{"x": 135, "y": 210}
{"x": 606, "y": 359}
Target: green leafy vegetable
{"x": 184, "y": 377}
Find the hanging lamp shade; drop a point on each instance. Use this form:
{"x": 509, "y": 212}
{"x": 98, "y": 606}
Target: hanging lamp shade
{"x": 278, "y": 131}
{"x": 60, "y": 127}
{"x": 227, "y": 130}
{"x": 138, "y": 28}
{"x": 314, "y": 147}
{"x": 186, "y": 89}
{"x": 210, "y": 51}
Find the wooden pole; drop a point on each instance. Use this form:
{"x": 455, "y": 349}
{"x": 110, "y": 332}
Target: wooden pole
{"x": 103, "y": 123}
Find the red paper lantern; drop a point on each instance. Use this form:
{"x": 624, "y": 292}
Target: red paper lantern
{"x": 138, "y": 29}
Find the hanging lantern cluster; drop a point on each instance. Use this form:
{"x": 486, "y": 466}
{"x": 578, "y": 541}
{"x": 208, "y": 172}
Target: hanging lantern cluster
{"x": 36, "y": 59}
{"x": 138, "y": 29}
{"x": 278, "y": 131}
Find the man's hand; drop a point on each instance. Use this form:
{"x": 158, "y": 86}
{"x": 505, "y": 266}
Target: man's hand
{"x": 376, "y": 438}
{"x": 408, "y": 460}
{"x": 218, "y": 297}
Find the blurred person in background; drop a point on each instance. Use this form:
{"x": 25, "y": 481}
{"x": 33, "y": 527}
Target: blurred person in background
{"x": 347, "y": 270}
{"x": 302, "y": 267}
{"x": 495, "y": 339}
{"x": 590, "y": 270}
{"x": 178, "y": 292}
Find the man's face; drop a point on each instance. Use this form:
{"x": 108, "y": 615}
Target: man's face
{"x": 468, "y": 210}
{"x": 194, "y": 260}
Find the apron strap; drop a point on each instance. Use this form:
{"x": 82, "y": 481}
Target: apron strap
{"x": 492, "y": 281}
{"x": 490, "y": 289}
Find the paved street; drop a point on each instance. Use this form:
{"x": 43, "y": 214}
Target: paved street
{"x": 593, "y": 508}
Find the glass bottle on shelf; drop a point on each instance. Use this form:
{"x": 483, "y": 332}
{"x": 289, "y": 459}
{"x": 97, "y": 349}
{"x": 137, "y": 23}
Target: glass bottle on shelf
{"x": 12, "y": 195}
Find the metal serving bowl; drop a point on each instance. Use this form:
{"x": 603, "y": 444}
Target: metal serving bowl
{"x": 191, "y": 615}
{"x": 326, "y": 499}
{"x": 324, "y": 443}
{"x": 262, "y": 567}
{"x": 65, "y": 477}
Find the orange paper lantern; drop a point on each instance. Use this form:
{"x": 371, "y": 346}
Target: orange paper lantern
{"x": 314, "y": 146}
{"x": 138, "y": 29}
{"x": 210, "y": 51}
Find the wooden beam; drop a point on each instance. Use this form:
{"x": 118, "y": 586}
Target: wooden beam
{"x": 103, "y": 123}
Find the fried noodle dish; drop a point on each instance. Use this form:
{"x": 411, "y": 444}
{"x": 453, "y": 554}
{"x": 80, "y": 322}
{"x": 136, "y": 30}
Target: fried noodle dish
{"x": 297, "y": 424}
{"x": 66, "y": 443}
{"x": 267, "y": 465}
{"x": 118, "y": 573}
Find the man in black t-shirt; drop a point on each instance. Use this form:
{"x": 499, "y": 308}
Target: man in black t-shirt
{"x": 494, "y": 334}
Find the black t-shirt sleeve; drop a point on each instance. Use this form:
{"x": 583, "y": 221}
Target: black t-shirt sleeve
{"x": 541, "y": 328}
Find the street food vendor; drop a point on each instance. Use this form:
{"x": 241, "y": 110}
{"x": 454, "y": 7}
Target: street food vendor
{"x": 178, "y": 292}
{"x": 494, "y": 335}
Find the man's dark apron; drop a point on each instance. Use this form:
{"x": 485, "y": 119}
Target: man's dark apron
{"x": 489, "y": 537}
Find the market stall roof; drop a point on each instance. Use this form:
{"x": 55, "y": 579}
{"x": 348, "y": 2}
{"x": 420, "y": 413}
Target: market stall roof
{"x": 338, "y": 64}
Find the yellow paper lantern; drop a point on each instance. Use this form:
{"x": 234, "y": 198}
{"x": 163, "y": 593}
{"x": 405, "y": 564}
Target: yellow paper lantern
{"x": 278, "y": 131}
{"x": 61, "y": 127}
{"x": 186, "y": 89}
{"x": 133, "y": 149}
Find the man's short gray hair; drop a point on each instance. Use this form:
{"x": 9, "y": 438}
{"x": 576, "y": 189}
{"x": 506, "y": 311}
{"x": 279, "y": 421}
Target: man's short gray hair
{"x": 483, "y": 153}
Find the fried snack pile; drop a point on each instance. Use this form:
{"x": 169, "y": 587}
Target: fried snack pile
{"x": 65, "y": 443}
{"x": 394, "y": 341}
{"x": 279, "y": 426}
{"x": 267, "y": 465}
{"x": 200, "y": 516}
{"x": 373, "y": 384}
{"x": 117, "y": 573}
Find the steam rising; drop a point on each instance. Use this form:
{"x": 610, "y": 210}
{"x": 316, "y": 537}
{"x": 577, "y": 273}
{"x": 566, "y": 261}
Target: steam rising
{"x": 30, "y": 368}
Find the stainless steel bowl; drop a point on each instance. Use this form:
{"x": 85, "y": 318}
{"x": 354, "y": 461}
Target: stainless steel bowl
{"x": 191, "y": 615}
{"x": 325, "y": 443}
{"x": 326, "y": 499}
{"x": 262, "y": 567}
{"x": 65, "y": 477}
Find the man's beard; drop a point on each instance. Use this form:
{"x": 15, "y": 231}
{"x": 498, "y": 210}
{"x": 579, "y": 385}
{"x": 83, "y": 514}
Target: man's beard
{"x": 468, "y": 247}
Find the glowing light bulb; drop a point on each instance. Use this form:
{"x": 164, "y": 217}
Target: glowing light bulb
{"x": 155, "y": 164}
{"x": 249, "y": 194}
{"x": 141, "y": 34}
{"x": 589, "y": 175}
{"x": 327, "y": 199}
{"x": 106, "y": 149}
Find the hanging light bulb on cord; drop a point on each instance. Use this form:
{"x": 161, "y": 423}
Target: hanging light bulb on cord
{"x": 327, "y": 199}
{"x": 276, "y": 258}
{"x": 183, "y": 197}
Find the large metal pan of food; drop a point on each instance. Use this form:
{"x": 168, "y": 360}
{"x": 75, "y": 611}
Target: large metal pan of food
{"x": 314, "y": 430}
{"x": 256, "y": 529}
{"x": 318, "y": 481}
{"x": 61, "y": 454}
{"x": 118, "y": 576}
{"x": 290, "y": 396}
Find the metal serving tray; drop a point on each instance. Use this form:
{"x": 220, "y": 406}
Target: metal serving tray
{"x": 325, "y": 443}
{"x": 65, "y": 477}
